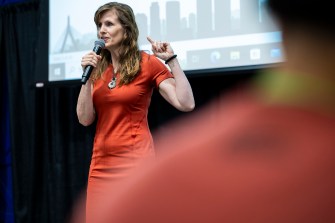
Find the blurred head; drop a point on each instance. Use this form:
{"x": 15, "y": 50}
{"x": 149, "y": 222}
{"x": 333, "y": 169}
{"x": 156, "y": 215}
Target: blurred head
{"x": 311, "y": 14}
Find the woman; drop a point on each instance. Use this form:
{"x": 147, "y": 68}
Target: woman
{"x": 118, "y": 94}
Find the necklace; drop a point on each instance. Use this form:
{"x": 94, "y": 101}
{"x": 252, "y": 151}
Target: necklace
{"x": 112, "y": 83}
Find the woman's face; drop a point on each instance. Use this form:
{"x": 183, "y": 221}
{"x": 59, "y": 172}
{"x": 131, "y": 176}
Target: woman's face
{"x": 110, "y": 30}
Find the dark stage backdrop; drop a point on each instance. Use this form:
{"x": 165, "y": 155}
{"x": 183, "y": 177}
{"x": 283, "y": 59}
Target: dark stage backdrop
{"x": 6, "y": 187}
{"x": 50, "y": 149}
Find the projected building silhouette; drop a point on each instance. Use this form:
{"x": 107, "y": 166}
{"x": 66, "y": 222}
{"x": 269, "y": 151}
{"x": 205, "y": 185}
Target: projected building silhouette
{"x": 155, "y": 22}
{"x": 211, "y": 19}
{"x": 68, "y": 35}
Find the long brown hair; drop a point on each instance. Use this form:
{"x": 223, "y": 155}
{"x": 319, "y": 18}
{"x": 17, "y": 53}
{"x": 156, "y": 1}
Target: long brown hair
{"x": 130, "y": 55}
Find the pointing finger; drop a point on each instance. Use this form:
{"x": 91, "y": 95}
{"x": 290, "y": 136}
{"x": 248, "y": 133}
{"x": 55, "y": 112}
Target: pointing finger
{"x": 150, "y": 40}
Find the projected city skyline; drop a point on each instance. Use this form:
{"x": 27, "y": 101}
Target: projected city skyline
{"x": 229, "y": 18}
{"x": 248, "y": 16}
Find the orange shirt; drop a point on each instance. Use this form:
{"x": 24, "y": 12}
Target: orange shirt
{"x": 253, "y": 156}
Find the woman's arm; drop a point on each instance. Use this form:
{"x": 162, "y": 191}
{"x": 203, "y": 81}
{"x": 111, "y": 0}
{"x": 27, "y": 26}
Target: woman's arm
{"x": 177, "y": 91}
{"x": 85, "y": 107}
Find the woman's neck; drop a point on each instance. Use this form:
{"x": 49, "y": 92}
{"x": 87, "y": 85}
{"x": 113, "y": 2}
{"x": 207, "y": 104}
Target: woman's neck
{"x": 115, "y": 61}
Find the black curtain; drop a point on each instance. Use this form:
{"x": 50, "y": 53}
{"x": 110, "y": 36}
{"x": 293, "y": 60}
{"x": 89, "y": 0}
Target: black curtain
{"x": 6, "y": 188}
{"x": 50, "y": 149}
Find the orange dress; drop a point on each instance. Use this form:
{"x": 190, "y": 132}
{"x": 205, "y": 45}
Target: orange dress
{"x": 122, "y": 134}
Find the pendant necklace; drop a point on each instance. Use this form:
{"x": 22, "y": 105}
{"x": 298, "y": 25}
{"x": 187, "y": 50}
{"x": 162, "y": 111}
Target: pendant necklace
{"x": 112, "y": 83}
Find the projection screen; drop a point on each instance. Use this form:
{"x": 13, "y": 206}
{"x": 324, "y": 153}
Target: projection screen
{"x": 205, "y": 34}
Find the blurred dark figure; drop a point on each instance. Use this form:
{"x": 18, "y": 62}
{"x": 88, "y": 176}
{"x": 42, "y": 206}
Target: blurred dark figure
{"x": 263, "y": 154}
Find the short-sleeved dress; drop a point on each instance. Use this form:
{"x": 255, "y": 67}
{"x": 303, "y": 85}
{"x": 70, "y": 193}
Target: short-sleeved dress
{"x": 122, "y": 134}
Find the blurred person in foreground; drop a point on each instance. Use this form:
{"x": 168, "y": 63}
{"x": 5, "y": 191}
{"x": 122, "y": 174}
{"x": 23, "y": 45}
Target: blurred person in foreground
{"x": 118, "y": 95}
{"x": 265, "y": 154}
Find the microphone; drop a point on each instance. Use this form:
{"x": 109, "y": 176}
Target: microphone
{"x": 98, "y": 46}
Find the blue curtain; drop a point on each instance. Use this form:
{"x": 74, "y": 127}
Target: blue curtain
{"x": 6, "y": 186}
{"x": 5, "y": 2}
{"x": 6, "y": 181}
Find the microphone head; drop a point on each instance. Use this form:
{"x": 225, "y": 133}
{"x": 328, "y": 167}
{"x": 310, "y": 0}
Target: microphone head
{"x": 100, "y": 42}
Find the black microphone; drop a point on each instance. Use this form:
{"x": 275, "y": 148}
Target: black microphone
{"x": 98, "y": 46}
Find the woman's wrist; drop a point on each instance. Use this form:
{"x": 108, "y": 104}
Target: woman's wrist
{"x": 171, "y": 58}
